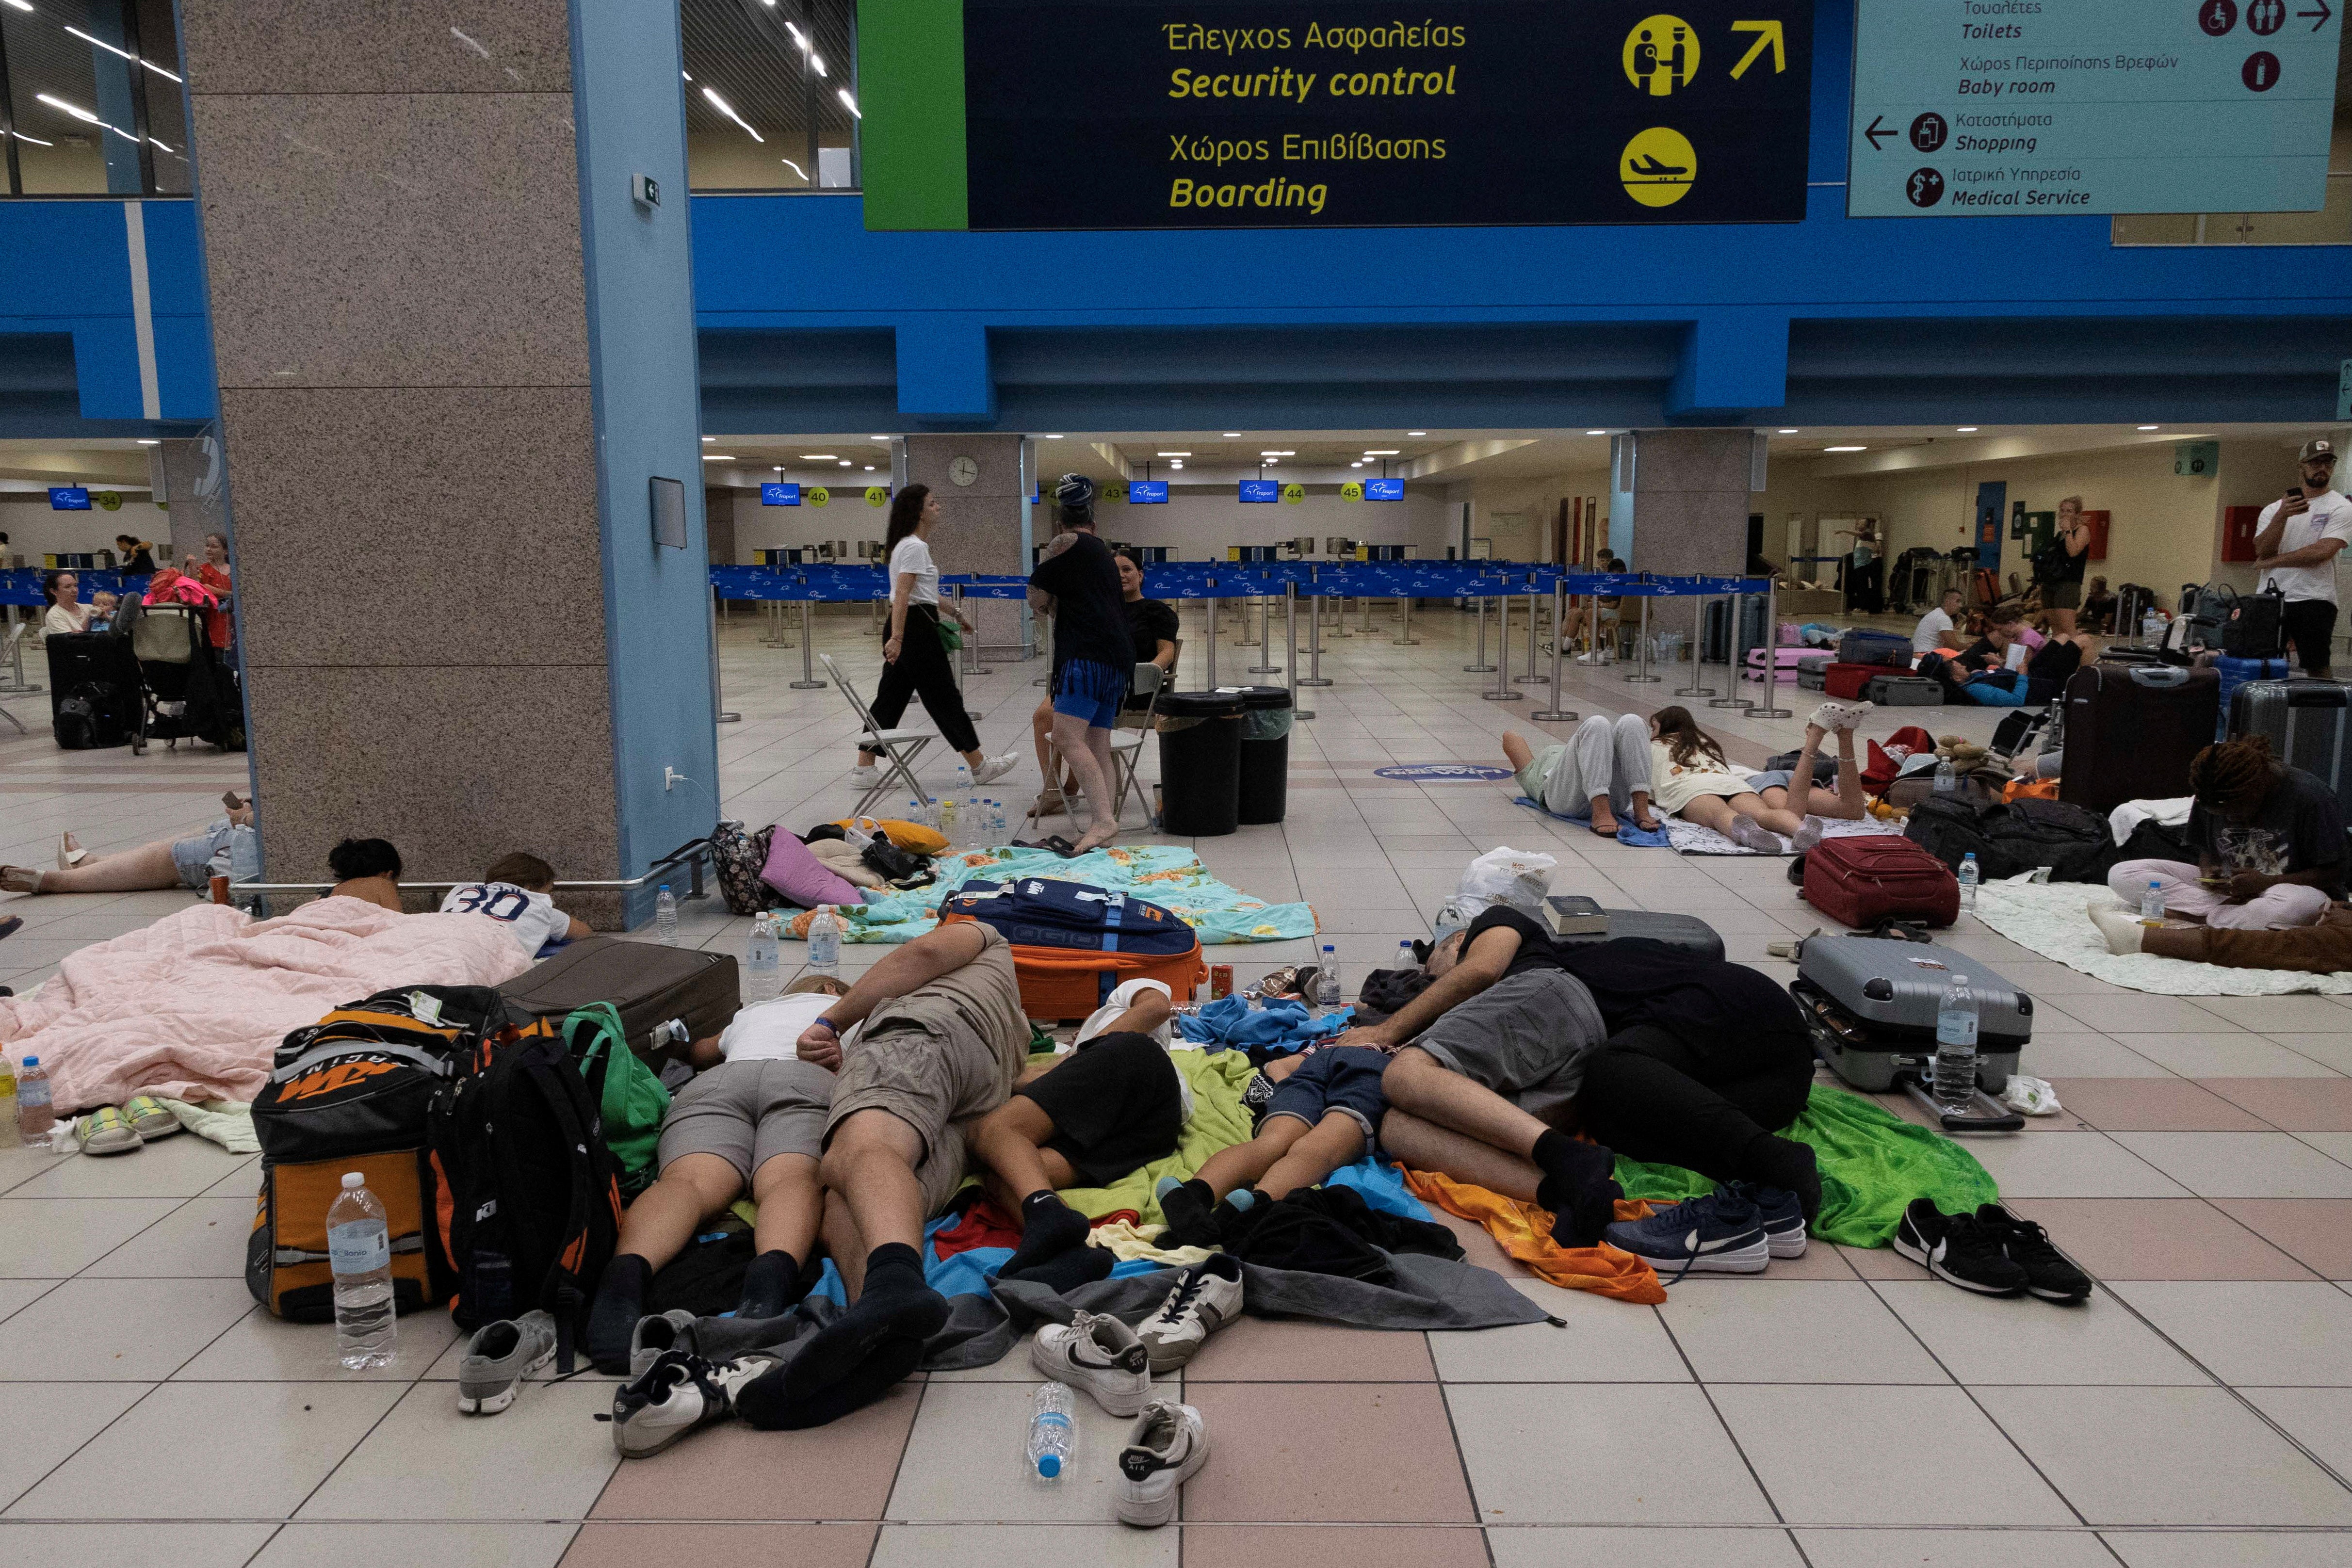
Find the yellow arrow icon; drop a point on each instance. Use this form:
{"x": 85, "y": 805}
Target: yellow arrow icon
{"x": 1768, "y": 34}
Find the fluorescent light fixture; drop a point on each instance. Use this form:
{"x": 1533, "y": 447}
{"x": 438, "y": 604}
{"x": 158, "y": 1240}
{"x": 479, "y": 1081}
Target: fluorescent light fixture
{"x": 166, "y": 146}
{"x": 1788, "y": 432}
{"x": 60, "y": 104}
{"x": 21, "y": 4}
{"x": 1845, "y": 448}
{"x": 1053, "y": 438}
{"x": 1358, "y": 464}
{"x": 687, "y": 75}
{"x": 710, "y": 438}
{"x": 780, "y": 467}
{"x": 33, "y": 140}
{"x": 1174, "y": 454}
{"x": 869, "y": 467}
{"x": 1290, "y": 453}
{"x": 1232, "y": 436}
{"x": 878, "y": 438}
{"x": 849, "y": 103}
{"x": 717, "y": 457}
{"x": 1967, "y": 430}
{"x": 143, "y": 440}
{"x": 1384, "y": 452}
{"x": 1416, "y": 433}
{"x": 819, "y": 456}
{"x": 845, "y": 463}
{"x": 798, "y": 36}
{"x": 124, "y": 54}
{"x": 723, "y": 106}
{"x": 2151, "y": 427}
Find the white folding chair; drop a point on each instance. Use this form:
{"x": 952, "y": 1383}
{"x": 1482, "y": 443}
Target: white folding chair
{"x": 1127, "y": 745}
{"x": 900, "y": 746}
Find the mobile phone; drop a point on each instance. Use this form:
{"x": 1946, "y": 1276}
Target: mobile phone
{"x": 232, "y": 800}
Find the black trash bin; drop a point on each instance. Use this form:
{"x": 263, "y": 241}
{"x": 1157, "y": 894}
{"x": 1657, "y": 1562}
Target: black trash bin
{"x": 1199, "y": 762}
{"x": 1266, "y": 754}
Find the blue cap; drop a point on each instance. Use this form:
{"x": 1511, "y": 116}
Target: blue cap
{"x": 32, "y": 1061}
{"x": 1049, "y": 1465}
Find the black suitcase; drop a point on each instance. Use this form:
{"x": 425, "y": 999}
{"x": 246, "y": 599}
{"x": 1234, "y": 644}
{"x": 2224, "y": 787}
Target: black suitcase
{"x": 1904, "y": 691}
{"x": 1685, "y": 931}
{"x": 96, "y": 672}
{"x": 2132, "y": 731}
{"x": 1715, "y": 641}
{"x": 2306, "y": 722}
{"x": 649, "y": 984}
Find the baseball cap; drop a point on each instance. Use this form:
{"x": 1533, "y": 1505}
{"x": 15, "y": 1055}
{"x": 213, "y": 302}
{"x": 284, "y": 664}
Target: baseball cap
{"x": 2311, "y": 449}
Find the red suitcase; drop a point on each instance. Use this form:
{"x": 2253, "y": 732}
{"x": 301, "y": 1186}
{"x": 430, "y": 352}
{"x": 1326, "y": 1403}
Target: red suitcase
{"x": 1848, "y": 680}
{"x": 1859, "y": 882}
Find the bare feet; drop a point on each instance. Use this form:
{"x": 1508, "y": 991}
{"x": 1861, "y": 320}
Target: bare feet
{"x": 1643, "y": 818}
{"x": 70, "y": 851}
{"x": 1097, "y": 837}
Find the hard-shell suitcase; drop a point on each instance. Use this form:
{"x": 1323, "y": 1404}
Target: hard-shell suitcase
{"x": 1904, "y": 691}
{"x": 1861, "y": 880}
{"x": 649, "y": 985}
{"x": 1871, "y": 1006}
{"x": 1889, "y": 649}
{"x": 2132, "y": 731}
{"x": 1685, "y": 931}
{"x": 1847, "y": 681}
{"x": 2306, "y": 723}
{"x": 2235, "y": 673}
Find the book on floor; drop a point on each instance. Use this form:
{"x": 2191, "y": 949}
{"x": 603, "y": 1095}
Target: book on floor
{"x": 1573, "y": 914}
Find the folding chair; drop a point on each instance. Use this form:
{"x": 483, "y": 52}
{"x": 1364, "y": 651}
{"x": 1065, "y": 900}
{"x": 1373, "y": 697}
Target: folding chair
{"x": 900, "y": 746}
{"x": 1127, "y": 745}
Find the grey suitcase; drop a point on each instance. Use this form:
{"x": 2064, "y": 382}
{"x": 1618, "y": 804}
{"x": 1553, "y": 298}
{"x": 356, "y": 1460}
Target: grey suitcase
{"x": 2306, "y": 723}
{"x": 1685, "y": 931}
{"x": 1870, "y": 1004}
{"x": 1904, "y": 691}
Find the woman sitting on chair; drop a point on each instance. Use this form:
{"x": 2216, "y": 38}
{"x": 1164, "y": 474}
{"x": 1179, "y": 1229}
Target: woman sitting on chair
{"x": 1152, "y": 623}
{"x": 1690, "y": 776}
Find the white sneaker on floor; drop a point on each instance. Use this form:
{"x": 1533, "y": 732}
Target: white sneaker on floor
{"x": 1098, "y": 1353}
{"x": 866, "y": 773}
{"x": 1207, "y": 1297}
{"x": 1167, "y": 1447}
{"x": 673, "y": 1396}
{"x": 995, "y": 768}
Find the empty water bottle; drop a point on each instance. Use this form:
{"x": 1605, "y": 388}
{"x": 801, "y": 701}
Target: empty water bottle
{"x": 359, "y": 1251}
{"x": 2151, "y": 904}
{"x": 1327, "y": 978}
{"x": 1970, "y": 875}
{"x": 35, "y": 1115}
{"x": 1948, "y": 778}
{"x": 1053, "y": 1434}
{"x": 947, "y": 818}
{"x": 1956, "y": 1045}
{"x": 761, "y": 959}
{"x": 666, "y": 916}
{"x": 824, "y": 941}
{"x": 996, "y": 821}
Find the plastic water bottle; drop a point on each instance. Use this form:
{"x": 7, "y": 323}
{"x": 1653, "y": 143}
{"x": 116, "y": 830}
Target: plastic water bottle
{"x": 947, "y": 818}
{"x": 1948, "y": 778}
{"x": 995, "y": 822}
{"x": 2151, "y": 904}
{"x": 1053, "y": 1434}
{"x": 7, "y": 1090}
{"x": 35, "y": 1116}
{"x": 2151, "y": 628}
{"x": 666, "y": 916}
{"x": 1327, "y": 978}
{"x": 1405, "y": 961}
{"x": 824, "y": 941}
{"x": 1956, "y": 1044}
{"x": 761, "y": 958}
{"x": 856, "y": 837}
{"x": 1970, "y": 875}
{"x": 359, "y": 1250}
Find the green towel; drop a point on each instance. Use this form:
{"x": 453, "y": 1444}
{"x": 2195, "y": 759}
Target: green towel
{"x": 1873, "y": 1164}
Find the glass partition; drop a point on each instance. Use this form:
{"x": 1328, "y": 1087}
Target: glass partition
{"x": 90, "y": 100}
{"x": 770, "y": 94}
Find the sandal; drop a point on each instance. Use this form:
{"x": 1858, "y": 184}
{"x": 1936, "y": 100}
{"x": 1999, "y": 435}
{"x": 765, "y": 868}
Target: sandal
{"x": 105, "y": 1132}
{"x": 17, "y": 879}
{"x": 69, "y": 852}
{"x": 150, "y": 1118}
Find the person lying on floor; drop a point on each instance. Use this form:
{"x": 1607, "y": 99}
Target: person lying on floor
{"x": 2041, "y": 678}
{"x": 1322, "y": 1110}
{"x": 2270, "y": 851}
{"x": 367, "y": 869}
{"x": 188, "y": 863}
{"x": 1657, "y": 1053}
{"x": 519, "y": 890}
{"x": 1112, "y": 1106}
{"x": 1602, "y": 768}
{"x": 750, "y": 1123}
{"x": 1693, "y": 779}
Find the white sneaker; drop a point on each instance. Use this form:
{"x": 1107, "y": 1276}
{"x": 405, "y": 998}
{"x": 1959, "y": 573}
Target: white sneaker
{"x": 1167, "y": 1447}
{"x": 1207, "y": 1297}
{"x": 673, "y": 1329}
{"x": 866, "y": 773}
{"x": 995, "y": 768}
{"x": 677, "y": 1394}
{"x": 1098, "y": 1353}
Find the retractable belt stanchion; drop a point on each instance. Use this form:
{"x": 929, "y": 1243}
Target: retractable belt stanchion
{"x": 808, "y": 681}
{"x": 1212, "y": 632}
{"x": 1290, "y": 641}
{"x": 1771, "y": 656}
{"x": 1530, "y": 679}
{"x": 1404, "y": 637}
{"x": 1736, "y": 640}
{"x": 1503, "y": 691}
{"x": 1314, "y": 677}
{"x": 1482, "y": 667}
{"x": 1641, "y": 676}
{"x": 1340, "y": 614}
{"x": 1699, "y": 655}
{"x": 1265, "y": 665}
{"x": 718, "y": 701}
{"x": 1557, "y": 713}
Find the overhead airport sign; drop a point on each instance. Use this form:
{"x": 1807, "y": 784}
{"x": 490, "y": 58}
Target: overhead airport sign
{"x": 1228, "y": 114}
{"x": 69, "y": 498}
{"x": 1265, "y": 491}
{"x": 776, "y": 495}
{"x": 1383, "y": 489}
{"x": 2003, "y": 107}
{"x": 1147, "y": 492}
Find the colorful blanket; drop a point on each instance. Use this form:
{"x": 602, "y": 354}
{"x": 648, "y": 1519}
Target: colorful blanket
{"x": 1163, "y": 874}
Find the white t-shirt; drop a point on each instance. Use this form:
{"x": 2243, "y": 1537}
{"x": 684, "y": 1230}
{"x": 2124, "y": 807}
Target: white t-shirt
{"x": 772, "y": 1031}
{"x": 531, "y": 917}
{"x": 2330, "y": 517}
{"x": 911, "y": 555}
{"x": 1928, "y": 635}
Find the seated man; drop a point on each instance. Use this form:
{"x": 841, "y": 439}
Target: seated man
{"x": 518, "y": 889}
{"x": 752, "y": 1121}
{"x": 1939, "y": 628}
{"x": 2099, "y": 608}
{"x": 2269, "y": 850}
{"x": 1602, "y": 768}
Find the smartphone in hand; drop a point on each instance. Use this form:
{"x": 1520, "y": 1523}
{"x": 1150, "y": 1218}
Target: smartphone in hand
{"x": 231, "y": 799}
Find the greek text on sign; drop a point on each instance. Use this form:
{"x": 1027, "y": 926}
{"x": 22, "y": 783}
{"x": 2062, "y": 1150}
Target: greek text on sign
{"x": 2003, "y": 108}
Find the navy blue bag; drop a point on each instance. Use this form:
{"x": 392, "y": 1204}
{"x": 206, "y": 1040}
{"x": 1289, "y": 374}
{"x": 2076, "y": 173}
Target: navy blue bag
{"x": 1038, "y": 912}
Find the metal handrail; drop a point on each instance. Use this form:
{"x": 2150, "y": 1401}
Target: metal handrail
{"x": 691, "y": 855}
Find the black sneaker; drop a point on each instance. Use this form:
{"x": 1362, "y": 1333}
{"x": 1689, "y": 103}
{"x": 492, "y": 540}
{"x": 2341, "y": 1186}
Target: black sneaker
{"x": 2049, "y": 1273}
{"x": 1958, "y": 1248}
{"x": 1780, "y": 1212}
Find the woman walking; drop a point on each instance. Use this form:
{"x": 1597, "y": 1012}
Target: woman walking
{"x": 915, "y": 659}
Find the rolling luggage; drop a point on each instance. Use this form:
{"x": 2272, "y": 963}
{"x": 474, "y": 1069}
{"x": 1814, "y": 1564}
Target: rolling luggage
{"x": 1685, "y": 931}
{"x": 1074, "y": 945}
{"x": 1904, "y": 691}
{"x": 2235, "y": 673}
{"x": 1864, "y": 879}
{"x": 2306, "y": 722}
{"x": 648, "y": 985}
{"x": 95, "y": 690}
{"x": 1716, "y": 640}
{"x": 1870, "y": 1005}
{"x": 1847, "y": 681}
{"x": 2132, "y": 730}
{"x": 1864, "y": 647}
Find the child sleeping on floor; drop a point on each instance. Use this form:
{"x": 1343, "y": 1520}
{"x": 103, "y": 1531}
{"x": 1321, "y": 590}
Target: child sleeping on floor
{"x": 1317, "y": 1111}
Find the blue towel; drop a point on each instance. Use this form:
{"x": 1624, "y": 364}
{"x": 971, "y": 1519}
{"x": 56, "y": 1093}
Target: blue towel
{"x": 1380, "y": 1186}
{"x": 1627, "y": 834}
{"x": 1230, "y": 1021}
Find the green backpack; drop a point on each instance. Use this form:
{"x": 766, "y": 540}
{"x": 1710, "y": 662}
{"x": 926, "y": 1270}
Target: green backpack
{"x": 630, "y": 1100}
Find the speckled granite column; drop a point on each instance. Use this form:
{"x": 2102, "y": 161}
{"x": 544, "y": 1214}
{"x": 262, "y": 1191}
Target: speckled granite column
{"x": 444, "y": 573}
{"x": 1690, "y": 515}
{"x": 980, "y": 523}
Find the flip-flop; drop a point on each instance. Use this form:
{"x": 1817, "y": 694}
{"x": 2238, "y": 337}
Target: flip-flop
{"x": 150, "y": 1118}
{"x": 105, "y": 1131}
{"x": 10, "y": 926}
{"x": 1055, "y": 843}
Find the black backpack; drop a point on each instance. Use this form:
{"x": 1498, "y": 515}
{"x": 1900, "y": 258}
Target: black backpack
{"x": 89, "y": 718}
{"x": 530, "y": 1206}
{"x": 2012, "y": 837}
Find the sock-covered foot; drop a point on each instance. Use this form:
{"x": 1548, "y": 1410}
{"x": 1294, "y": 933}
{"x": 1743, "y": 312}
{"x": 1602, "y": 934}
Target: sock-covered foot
{"x": 2120, "y": 927}
{"x": 1749, "y": 833}
{"x": 1048, "y": 1229}
{"x": 1580, "y": 1186}
{"x": 1187, "y": 1207}
{"x": 1065, "y": 1271}
{"x": 1809, "y": 833}
{"x": 894, "y": 1304}
{"x": 771, "y": 1285}
{"x": 765, "y": 1403}
{"x": 1784, "y": 1162}
{"x": 613, "y": 1319}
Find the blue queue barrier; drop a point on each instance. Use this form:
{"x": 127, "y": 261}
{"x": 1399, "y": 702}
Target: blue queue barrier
{"x": 22, "y": 585}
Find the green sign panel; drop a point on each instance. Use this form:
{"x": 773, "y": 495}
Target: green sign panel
{"x": 2003, "y": 108}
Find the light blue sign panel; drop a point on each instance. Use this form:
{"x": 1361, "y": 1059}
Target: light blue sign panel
{"x": 1147, "y": 492}
{"x": 780, "y": 494}
{"x": 1383, "y": 489}
{"x": 1262, "y": 490}
{"x": 2009, "y": 107}
{"x": 69, "y": 498}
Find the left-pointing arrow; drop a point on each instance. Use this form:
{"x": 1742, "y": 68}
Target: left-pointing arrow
{"x": 1877, "y": 130}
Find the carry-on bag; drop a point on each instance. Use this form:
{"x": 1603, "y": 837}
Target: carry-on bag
{"x": 1870, "y": 1005}
{"x": 1861, "y": 880}
{"x": 1904, "y": 691}
{"x": 2306, "y": 722}
{"x": 1073, "y": 944}
{"x": 2132, "y": 731}
{"x": 2235, "y": 673}
{"x": 1848, "y": 681}
{"x": 2253, "y": 630}
{"x": 1892, "y": 648}
{"x": 648, "y": 985}
{"x": 2011, "y": 838}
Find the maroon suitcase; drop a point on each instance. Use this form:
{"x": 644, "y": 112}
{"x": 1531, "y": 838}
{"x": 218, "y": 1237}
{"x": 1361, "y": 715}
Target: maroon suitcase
{"x": 1847, "y": 681}
{"x": 2133, "y": 729}
{"x": 1859, "y": 882}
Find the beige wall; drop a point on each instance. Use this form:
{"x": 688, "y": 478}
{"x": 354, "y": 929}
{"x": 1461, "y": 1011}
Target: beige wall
{"x": 1538, "y": 500}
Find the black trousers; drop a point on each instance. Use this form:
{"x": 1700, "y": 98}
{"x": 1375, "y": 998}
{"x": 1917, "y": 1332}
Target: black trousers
{"x": 922, "y": 670}
{"x": 1650, "y": 1095}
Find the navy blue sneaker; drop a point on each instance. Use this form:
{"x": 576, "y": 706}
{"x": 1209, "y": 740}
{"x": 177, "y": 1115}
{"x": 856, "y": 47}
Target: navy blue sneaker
{"x": 1783, "y": 1216}
{"x": 1717, "y": 1234}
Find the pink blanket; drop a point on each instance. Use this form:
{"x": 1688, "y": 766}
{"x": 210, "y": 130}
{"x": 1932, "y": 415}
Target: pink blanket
{"x": 193, "y": 1006}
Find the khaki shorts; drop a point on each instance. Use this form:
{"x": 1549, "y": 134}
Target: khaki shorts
{"x": 748, "y": 1113}
{"x": 2061, "y": 596}
{"x": 938, "y": 1057}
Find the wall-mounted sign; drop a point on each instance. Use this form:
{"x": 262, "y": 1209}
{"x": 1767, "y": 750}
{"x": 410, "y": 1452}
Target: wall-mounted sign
{"x": 1383, "y": 489}
{"x": 1114, "y": 491}
{"x": 780, "y": 494}
{"x": 69, "y": 498}
{"x": 1293, "y": 492}
{"x": 877, "y": 495}
{"x": 1335, "y": 114}
{"x": 1256, "y": 491}
{"x": 1353, "y": 490}
{"x": 1147, "y": 492}
{"x": 2195, "y": 459}
{"x": 817, "y": 496}
{"x": 1977, "y": 107}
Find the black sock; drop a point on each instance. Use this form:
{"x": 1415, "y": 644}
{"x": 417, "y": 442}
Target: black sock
{"x": 770, "y": 1284}
{"x": 1186, "y": 1208}
{"x": 1788, "y": 1164}
{"x": 766, "y": 1402}
{"x": 1049, "y": 1227}
{"x": 1067, "y": 1270}
{"x": 613, "y": 1319}
{"x": 1579, "y": 1187}
{"x": 894, "y": 1304}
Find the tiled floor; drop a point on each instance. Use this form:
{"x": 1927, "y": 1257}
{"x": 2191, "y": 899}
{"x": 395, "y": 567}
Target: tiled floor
{"x": 1844, "y": 1411}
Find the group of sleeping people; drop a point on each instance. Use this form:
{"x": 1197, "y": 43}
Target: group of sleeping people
{"x": 851, "y": 1114}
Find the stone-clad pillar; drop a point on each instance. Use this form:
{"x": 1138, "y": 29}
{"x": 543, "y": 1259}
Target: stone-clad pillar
{"x": 1690, "y": 502}
{"x": 452, "y": 352}
{"x": 979, "y": 528}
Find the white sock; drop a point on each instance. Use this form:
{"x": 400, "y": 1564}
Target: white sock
{"x": 2119, "y": 926}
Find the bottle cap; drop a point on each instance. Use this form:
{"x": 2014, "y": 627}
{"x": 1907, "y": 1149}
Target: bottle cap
{"x": 664, "y": 887}
{"x": 32, "y": 1061}
{"x": 1049, "y": 1465}
{"x": 353, "y": 1181}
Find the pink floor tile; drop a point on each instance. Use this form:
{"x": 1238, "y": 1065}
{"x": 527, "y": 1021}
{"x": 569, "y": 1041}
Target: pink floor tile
{"x": 1274, "y": 1458}
{"x": 1260, "y": 1350}
{"x": 2158, "y": 1239}
{"x": 2318, "y": 1230}
{"x": 2157, "y": 1105}
{"x": 737, "y": 1546}
{"x": 840, "y": 1471}
{"x": 2292, "y": 1104}
{"x": 1307, "y": 1546}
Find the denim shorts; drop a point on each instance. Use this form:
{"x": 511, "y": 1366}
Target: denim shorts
{"x": 193, "y": 858}
{"x": 1766, "y": 781}
{"x": 1346, "y": 1080}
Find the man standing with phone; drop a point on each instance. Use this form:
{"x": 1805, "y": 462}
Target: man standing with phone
{"x": 2296, "y": 541}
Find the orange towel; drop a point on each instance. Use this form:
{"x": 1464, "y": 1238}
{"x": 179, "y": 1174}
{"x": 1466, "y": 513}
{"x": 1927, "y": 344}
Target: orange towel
{"x": 1525, "y": 1232}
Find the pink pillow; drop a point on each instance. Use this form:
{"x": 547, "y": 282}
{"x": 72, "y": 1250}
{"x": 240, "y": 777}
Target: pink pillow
{"x": 800, "y": 876}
